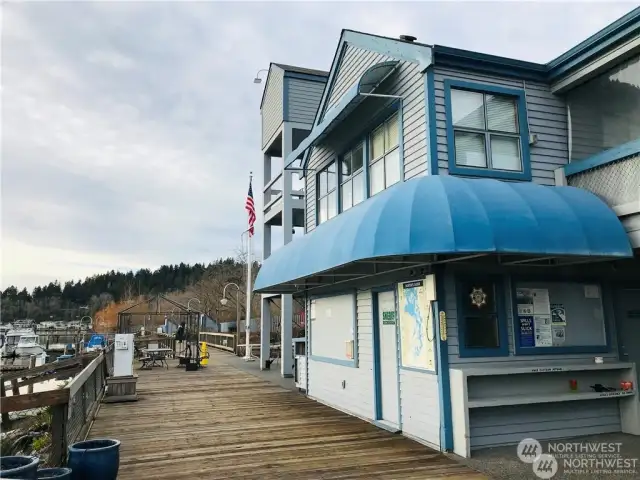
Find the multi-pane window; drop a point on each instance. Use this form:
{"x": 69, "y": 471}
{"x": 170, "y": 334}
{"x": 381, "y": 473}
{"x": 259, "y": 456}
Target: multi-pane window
{"x": 327, "y": 193}
{"x": 352, "y": 178}
{"x": 384, "y": 156}
{"x": 486, "y": 130}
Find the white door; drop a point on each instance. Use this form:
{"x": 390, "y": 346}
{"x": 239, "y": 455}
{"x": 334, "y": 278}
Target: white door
{"x": 388, "y": 357}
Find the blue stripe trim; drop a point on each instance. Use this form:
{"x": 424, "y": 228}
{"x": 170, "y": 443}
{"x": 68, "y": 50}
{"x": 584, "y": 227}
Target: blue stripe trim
{"x": 305, "y": 76}
{"x": 520, "y": 96}
{"x": 444, "y": 383}
{"x": 432, "y": 126}
{"x": 608, "y": 156}
{"x": 333, "y": 361}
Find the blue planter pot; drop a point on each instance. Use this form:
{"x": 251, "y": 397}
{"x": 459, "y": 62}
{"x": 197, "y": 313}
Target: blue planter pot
{"x": 57, "y": 473}
{"x": 95, "y": 459}
{"x": 19, "y": 467}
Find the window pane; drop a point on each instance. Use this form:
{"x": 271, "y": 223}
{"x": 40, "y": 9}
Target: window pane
{"x": 377, "y": 143}
{"x": 501, "y": 114}
{"x": 346, "y": 196}
{"x": 358, "y": 188}
{"x": 376, "y": 177}
{"x": 331, "y": 180}
{"x": 467, "y": 109}
{"x": 470, "y": 149}
{"x": 322, "y": 210}
{"x": 357, "y": 158}
{"x": 322, "y": 183}
{"x": 346, "y": 166}
{"x": 332, "y": 206}
{"x": 392, "y": 133}
{"x": 505, "y": 153}
{"x": 481, "y": 332}
{"x": 392, "y": 167}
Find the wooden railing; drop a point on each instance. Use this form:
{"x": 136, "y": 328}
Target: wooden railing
{"x": 220, "y": 341}
{"x": 70, "y": 410}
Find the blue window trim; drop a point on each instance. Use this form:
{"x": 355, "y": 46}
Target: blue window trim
{"x": 377, "y": 372}
{"x": 444, "y": 383}
{"x": 605, "y": 300}
{"x": 432, "y": 127}
{"x": 520, "y": 97}
{"x": 334, "y": 159}
{"x": 353, "y": 363}
{"x": 503, "y": 330}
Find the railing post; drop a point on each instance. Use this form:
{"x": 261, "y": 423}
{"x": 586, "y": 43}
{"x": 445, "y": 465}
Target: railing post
{"x": 59, "y": 433}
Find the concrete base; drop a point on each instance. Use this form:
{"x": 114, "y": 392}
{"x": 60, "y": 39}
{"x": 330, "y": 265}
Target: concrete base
{"x": 121, "y": 389}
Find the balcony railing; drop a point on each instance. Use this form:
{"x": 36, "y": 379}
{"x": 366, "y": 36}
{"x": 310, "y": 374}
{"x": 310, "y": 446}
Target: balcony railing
{"x": 613, "y": 175}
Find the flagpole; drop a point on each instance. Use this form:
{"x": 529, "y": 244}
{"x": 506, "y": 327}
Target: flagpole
{"x": 247, "y": 350}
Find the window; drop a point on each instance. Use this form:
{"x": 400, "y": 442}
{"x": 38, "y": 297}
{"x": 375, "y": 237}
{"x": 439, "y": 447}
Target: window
{"x": 352, "y": 178}
{"x": 481, "y": 332}
{"x": 605, "y": 111}
{"x": 485, "y": 132}
{"x": 327, "y": 194}
{"x": 384, "y": 156}
{"x": 558, "y": 317}
{"x": 333, "y": 330}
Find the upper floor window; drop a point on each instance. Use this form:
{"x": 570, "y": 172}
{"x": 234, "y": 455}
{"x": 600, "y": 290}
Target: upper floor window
{"x": 487, "y": 133}
{"x": 384, "y": 155}
{"x": 327, "y": 193}
{"x": 352, "y": 178}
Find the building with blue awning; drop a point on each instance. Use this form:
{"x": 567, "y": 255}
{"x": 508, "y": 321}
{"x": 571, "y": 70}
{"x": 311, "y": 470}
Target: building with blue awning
{"x": 470, "y": 264}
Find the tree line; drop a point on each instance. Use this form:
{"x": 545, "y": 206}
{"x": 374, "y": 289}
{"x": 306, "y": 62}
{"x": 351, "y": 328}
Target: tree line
{"x": 74, "y": 299}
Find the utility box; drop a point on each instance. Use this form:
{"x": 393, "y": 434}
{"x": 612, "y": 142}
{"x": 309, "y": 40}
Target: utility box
{"x": 121, "y": 387}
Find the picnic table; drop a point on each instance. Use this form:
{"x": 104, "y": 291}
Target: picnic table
{"x": 154, "y": 357}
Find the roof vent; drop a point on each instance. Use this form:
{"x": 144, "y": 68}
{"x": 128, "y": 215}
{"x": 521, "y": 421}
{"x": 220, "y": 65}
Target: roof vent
{"x": 408, "y": 38}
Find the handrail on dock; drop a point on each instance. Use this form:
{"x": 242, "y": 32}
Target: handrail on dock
{"x": 72, "y": 407}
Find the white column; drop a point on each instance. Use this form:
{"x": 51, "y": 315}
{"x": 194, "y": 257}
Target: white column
{"x": 265, "y": 313}
{"x": 286, "y": 313}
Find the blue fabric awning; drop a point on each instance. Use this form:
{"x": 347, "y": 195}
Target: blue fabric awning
{"x": 368, "y": 82}
{"x": 447, "y": 215}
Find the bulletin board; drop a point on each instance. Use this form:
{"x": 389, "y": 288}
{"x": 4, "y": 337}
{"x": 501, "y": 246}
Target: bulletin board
{"x": 333, "y": 326}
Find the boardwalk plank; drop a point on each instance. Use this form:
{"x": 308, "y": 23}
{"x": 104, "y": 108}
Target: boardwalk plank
{"x": 223, "y": 423}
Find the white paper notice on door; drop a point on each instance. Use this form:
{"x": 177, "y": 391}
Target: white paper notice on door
{"x": 591, "y": 291}
{"x": 542, "y": 331}
{"x": 541, "y": 304}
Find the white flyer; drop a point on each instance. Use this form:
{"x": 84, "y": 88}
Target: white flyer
{"x": 542, "y": 331}
{"x": 541, "y": 304}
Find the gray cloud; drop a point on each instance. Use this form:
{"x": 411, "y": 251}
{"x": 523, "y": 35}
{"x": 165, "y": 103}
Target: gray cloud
{"x": 129, "y": 128}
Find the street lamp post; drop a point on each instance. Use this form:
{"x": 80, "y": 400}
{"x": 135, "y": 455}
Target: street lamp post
{"x": 224, "y": 301}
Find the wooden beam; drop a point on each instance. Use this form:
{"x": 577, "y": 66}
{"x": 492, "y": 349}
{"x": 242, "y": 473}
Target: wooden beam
{"x": 47, "y": 367}
{"x": 76, "y": 383}
{"x": 34, "y": 400}
{"x": 73, "y": 370}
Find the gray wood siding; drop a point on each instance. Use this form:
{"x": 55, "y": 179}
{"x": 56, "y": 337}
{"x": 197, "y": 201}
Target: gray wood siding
{"x": 272, "y": 107}
{"x": 507, "y": 425}
{"x": 325, "y": 379}
{"x": 547, "y": 118}
{"x": 420, "y": 406}
{"x": 408, "y": 82}
{"x": 303, "y": 99}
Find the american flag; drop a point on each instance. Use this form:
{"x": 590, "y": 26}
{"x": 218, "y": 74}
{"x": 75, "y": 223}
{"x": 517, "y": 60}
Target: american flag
{"x": 251, "y": 209}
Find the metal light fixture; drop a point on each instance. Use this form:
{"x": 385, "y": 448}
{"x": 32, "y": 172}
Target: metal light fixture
{"x": 258, "y": 80}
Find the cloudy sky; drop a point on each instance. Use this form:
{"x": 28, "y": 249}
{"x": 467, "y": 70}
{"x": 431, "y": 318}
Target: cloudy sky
{"x": 129, "y": 129}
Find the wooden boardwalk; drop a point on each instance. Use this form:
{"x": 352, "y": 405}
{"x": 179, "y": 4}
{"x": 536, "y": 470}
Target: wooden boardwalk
{"x": 223, "y": 423}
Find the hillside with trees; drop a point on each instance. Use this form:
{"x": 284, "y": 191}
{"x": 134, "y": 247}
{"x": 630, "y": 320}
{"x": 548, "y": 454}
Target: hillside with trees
{"x": 108, "y": 291}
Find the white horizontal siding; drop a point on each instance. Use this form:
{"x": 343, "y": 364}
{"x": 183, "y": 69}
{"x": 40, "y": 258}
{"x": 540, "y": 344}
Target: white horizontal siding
{"x": 272, "y": 108}
{"x": 325, "y": 379}
{"x": 547, "y": 117}
{"x": 420, "y": 406}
